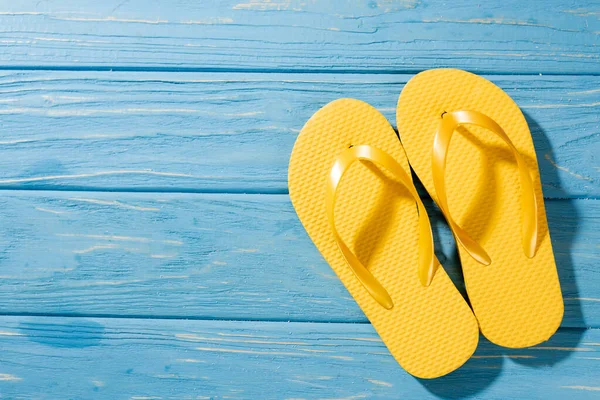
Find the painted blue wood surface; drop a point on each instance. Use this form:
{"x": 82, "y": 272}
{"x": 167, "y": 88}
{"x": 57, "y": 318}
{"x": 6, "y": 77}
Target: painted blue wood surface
{"x": 234, "y": 132}
{"x": 81, "y": 358}
{"x": 510, "y": 36}
{"x": 95, "y": 287}
{"x": 218, "y": 257}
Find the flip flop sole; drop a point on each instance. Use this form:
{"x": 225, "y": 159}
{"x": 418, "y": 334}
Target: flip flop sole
{"x": 517, "y": 300}
{"x": 430, "y": 331}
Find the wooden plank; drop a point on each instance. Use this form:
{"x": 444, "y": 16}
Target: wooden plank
{"x": 45, "y": 358}
{"x": 217, "y": 256}
{"x": 380, "y": 35}
{"x": 234, "y": 132}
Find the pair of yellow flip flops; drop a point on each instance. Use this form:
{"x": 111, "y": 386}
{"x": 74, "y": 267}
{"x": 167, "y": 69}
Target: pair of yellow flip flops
{"x": 462, "y": 135}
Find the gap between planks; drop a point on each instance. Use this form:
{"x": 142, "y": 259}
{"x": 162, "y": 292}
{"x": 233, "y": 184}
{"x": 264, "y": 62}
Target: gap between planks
{"x": 187, "y": 318}
{"x": 234, "y": 191}
{"x": 93, "y": 68}
{"x": 200, "y": 319}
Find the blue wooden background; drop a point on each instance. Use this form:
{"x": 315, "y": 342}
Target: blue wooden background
{"x": 148, "y": 248}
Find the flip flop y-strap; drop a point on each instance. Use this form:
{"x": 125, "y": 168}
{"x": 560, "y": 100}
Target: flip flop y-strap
{"x": 448, "y": 124}
{"x": 427, "y": 261}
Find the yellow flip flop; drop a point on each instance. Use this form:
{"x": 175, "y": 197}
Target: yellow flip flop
{"x": 486, "y": 181}
{"x": 350, "y": 184}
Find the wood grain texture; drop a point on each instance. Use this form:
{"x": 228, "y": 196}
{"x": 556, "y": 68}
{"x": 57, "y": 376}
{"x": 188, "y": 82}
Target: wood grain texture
{"x": 48, "y": 358}
{"x": 234, "y": 132}
{"x": 370, "y": 35}
{"x": 73, "y": 259}
{"x": 218, "y": 256}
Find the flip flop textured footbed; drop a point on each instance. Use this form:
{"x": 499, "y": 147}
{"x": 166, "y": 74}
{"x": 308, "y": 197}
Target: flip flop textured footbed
{"x": 430, "y": 331}
{"x": 516, "y": 300}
